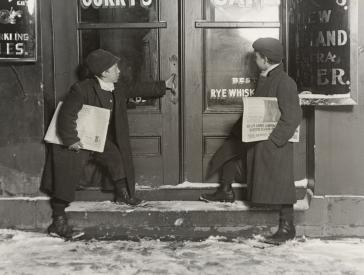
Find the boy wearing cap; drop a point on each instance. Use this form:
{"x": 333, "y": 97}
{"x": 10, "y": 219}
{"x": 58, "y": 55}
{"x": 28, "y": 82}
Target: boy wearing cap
{"x": 64, "y": 165}
{"x": 269, "y": 164}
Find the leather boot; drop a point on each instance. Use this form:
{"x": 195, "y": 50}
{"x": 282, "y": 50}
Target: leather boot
{"x": 61, "y": 228}
{"x": 286, "y": 229}
{"x": 224, "y": 193}
{"x": 121, "y": 196}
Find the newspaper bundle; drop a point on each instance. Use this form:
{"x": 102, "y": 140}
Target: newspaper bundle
{"x": 260, "y": 117}
{"x": 92, "y": 124}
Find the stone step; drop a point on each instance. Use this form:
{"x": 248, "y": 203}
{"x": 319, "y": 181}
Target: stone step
{"x": 174, "y": 220}
{"x": 181, "y": 192}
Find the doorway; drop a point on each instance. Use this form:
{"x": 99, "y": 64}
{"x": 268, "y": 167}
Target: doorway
{"x": 145, "y": 35}
{"x": 218, "y": 71}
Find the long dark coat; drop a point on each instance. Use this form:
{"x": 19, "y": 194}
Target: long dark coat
{"x": 64, "y": 168}
{"x": 269, "y": 163}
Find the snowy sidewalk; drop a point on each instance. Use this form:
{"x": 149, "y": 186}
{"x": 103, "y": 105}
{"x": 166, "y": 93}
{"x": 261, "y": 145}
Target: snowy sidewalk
{"x": 34, "y": 253}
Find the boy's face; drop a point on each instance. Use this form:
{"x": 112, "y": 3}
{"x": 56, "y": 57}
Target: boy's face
{"x": 112, "y": 74}
{"x": 262, "y": 62}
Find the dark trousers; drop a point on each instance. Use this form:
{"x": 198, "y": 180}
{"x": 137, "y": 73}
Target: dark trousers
{"x": 286, "y": 212}
{"x": 111, "y": 160}
{"x": 233, "y": 171}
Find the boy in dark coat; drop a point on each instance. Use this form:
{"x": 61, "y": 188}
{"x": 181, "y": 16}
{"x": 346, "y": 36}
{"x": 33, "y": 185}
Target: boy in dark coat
{"x": 269, "y": 163}
{"x": 64, "y": 165}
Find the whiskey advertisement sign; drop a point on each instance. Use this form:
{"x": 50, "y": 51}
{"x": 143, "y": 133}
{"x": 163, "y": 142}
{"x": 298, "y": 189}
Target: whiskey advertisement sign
{"x": 320, "y": 45}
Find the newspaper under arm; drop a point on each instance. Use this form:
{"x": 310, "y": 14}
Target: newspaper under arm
{"x": 92, "y": 125}
{"x": 260, "y": 117}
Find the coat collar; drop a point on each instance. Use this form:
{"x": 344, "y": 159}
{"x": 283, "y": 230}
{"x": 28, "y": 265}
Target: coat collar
{"x": 276, "y": 70}
{"x": 264, "y": 82}
{"x": 106, "y": 86}
{"x": 102, "y": 99}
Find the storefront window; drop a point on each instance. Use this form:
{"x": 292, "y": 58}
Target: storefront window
{"x": 319, "y": 46}
{"x": 319, "y": 36}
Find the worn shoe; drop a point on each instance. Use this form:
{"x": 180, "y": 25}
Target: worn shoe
{"x": 61, "y": 228}
{"x": 286, "y": 231}
{"x": 219, "y": 196}
{"x": 122, "y": 197}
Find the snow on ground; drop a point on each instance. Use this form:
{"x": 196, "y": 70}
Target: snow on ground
{"x": 167, "y": 206}
{"x": 195, "y": 185}
{"x": 35, "y": 253}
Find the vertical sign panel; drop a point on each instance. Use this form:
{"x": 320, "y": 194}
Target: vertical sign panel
{"x": 18, "y": 33}
{"x": 320, "y": 46}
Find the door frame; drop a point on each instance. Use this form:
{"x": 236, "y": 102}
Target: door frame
{"x": 66, "y": 29}
{"x": 191, "y": 85}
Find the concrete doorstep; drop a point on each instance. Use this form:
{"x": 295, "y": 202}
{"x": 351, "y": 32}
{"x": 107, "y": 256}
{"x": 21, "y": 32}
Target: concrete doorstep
{"x": 169, "y": 220}
{"x": 315, "y": 216}
{"x": 193, "y": 220}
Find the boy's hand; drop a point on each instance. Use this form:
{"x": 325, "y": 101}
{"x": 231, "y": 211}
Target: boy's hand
{"x": 170, "y": 83}
{"x": 76, "y": 146}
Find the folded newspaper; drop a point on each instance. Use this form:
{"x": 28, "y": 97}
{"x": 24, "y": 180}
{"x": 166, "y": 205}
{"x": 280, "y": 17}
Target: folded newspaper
{"x": 260, "y": 117}
{"x": 92, "y": 124}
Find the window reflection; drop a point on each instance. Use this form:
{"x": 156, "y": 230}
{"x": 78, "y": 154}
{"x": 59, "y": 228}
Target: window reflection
{"x": 242, "y": 10}
{"x": 137, "y": 48}
{"x": 31, "y": 6}
{"x": 230, "y": 64}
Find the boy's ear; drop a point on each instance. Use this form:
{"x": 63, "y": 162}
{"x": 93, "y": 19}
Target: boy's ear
{"x": 103, "y": 73}
{"x": 266, "y": 60}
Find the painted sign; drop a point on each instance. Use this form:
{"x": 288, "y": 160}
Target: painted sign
{"x": 18, "y": 34}
{"x": 320, "y": 46}
{"x": 233, "y": 93}
{"x": 114, "y": 3}
{"x": 245, "y": 3}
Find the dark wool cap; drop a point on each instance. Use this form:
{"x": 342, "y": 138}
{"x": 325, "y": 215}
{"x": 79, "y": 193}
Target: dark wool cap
{"x": 270, "y": 47}
{"x": 100, "y": 60}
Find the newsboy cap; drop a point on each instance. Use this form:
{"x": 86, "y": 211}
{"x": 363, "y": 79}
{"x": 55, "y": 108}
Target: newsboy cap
{"x": 270, "y": 47}
{"x": 100, "y": 60}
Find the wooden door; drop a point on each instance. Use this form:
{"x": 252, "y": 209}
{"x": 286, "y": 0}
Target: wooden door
{"x": 145, "y": 35}
{"x": 220, "y": 70}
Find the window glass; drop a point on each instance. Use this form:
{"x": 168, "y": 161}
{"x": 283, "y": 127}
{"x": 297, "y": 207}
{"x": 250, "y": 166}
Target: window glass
{"x": 242, "y": 10}
{"x": 230, "y": 64}
{"x": 138, "y": 50}
{"x": 129, "y": 13}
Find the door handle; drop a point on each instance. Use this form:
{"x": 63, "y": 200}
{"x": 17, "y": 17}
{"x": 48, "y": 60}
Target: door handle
{"x": 173, "y": 69}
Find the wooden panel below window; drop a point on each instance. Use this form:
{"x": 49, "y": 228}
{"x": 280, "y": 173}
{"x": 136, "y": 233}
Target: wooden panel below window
{"x": 211, "y": 144}
{"x": 148, "y": 171}
{"x": 145, "y": 124}
{"x": 219, "y": 124}
{"x": 145, "y": 146}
